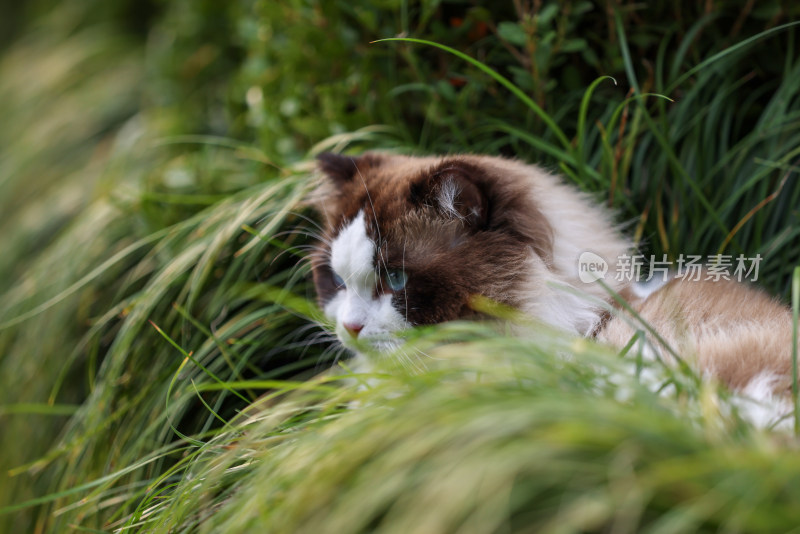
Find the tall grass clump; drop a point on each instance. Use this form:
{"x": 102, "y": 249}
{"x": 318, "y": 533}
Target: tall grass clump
{"x": 164, "y": 368}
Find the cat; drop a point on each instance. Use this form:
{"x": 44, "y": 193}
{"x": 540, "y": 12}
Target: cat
{"x": 412, "y": 240}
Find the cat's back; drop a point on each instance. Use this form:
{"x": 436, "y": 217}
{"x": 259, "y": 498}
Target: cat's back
{"x": 735, "y": 331}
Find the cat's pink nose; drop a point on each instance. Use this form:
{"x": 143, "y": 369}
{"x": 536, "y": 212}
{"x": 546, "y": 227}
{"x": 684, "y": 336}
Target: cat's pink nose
{"x": 353, "y": 328}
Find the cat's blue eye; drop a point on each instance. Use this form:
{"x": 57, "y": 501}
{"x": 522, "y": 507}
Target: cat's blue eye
{"x": 396, "y": 279}
{"x": 338, "y": 281}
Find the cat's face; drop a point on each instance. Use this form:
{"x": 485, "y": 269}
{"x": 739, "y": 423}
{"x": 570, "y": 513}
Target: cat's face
{"x": 410, "y": 241}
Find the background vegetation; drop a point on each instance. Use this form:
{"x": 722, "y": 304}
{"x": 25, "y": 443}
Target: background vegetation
{"x": 152, "y": 160}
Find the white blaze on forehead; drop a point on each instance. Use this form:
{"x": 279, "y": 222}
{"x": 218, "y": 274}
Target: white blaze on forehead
{"x": 352, "y": 254}
{"x": 352, "y": 258}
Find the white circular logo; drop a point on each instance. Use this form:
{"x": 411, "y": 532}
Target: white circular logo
{"x": 591, "y": 267}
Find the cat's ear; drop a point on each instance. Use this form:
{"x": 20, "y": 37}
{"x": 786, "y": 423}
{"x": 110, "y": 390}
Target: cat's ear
{"x": 340, "y": 169}
{"x": 454, "y": 193}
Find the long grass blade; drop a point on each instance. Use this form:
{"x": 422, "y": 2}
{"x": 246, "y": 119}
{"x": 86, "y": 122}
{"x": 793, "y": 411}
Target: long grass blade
{"x": 502, "y": 80}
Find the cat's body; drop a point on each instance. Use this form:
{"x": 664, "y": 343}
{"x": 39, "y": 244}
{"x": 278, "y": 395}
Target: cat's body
{"x": 411, "y": 241}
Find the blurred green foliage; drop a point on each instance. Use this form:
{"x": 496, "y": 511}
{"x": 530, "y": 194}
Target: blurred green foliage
{"x": 289, "y": 74}
{"x": 284, "y": 76}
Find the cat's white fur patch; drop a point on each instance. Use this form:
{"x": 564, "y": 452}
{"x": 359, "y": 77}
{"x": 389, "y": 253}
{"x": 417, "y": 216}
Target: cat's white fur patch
{"x": 554, "y": 301}
{"x": 352, "y": 253}
{"x": 759, "y": 404}
{"x": 352, "y": 258}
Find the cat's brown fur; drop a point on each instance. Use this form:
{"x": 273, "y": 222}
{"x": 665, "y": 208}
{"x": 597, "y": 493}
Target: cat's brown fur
{"x": 466, "y": 225}
{"x": 529, "y": 230}
{"x": 729, "y": 330}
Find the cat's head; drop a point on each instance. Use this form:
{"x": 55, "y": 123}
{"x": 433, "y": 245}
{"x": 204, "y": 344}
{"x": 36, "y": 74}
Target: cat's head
{"x": 410, "y": 241}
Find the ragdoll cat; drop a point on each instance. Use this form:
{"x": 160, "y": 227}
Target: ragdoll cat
{"x": 410, "y": 241}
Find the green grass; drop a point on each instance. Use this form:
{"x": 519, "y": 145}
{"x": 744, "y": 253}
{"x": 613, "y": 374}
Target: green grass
{"x": 160, "y": 352}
